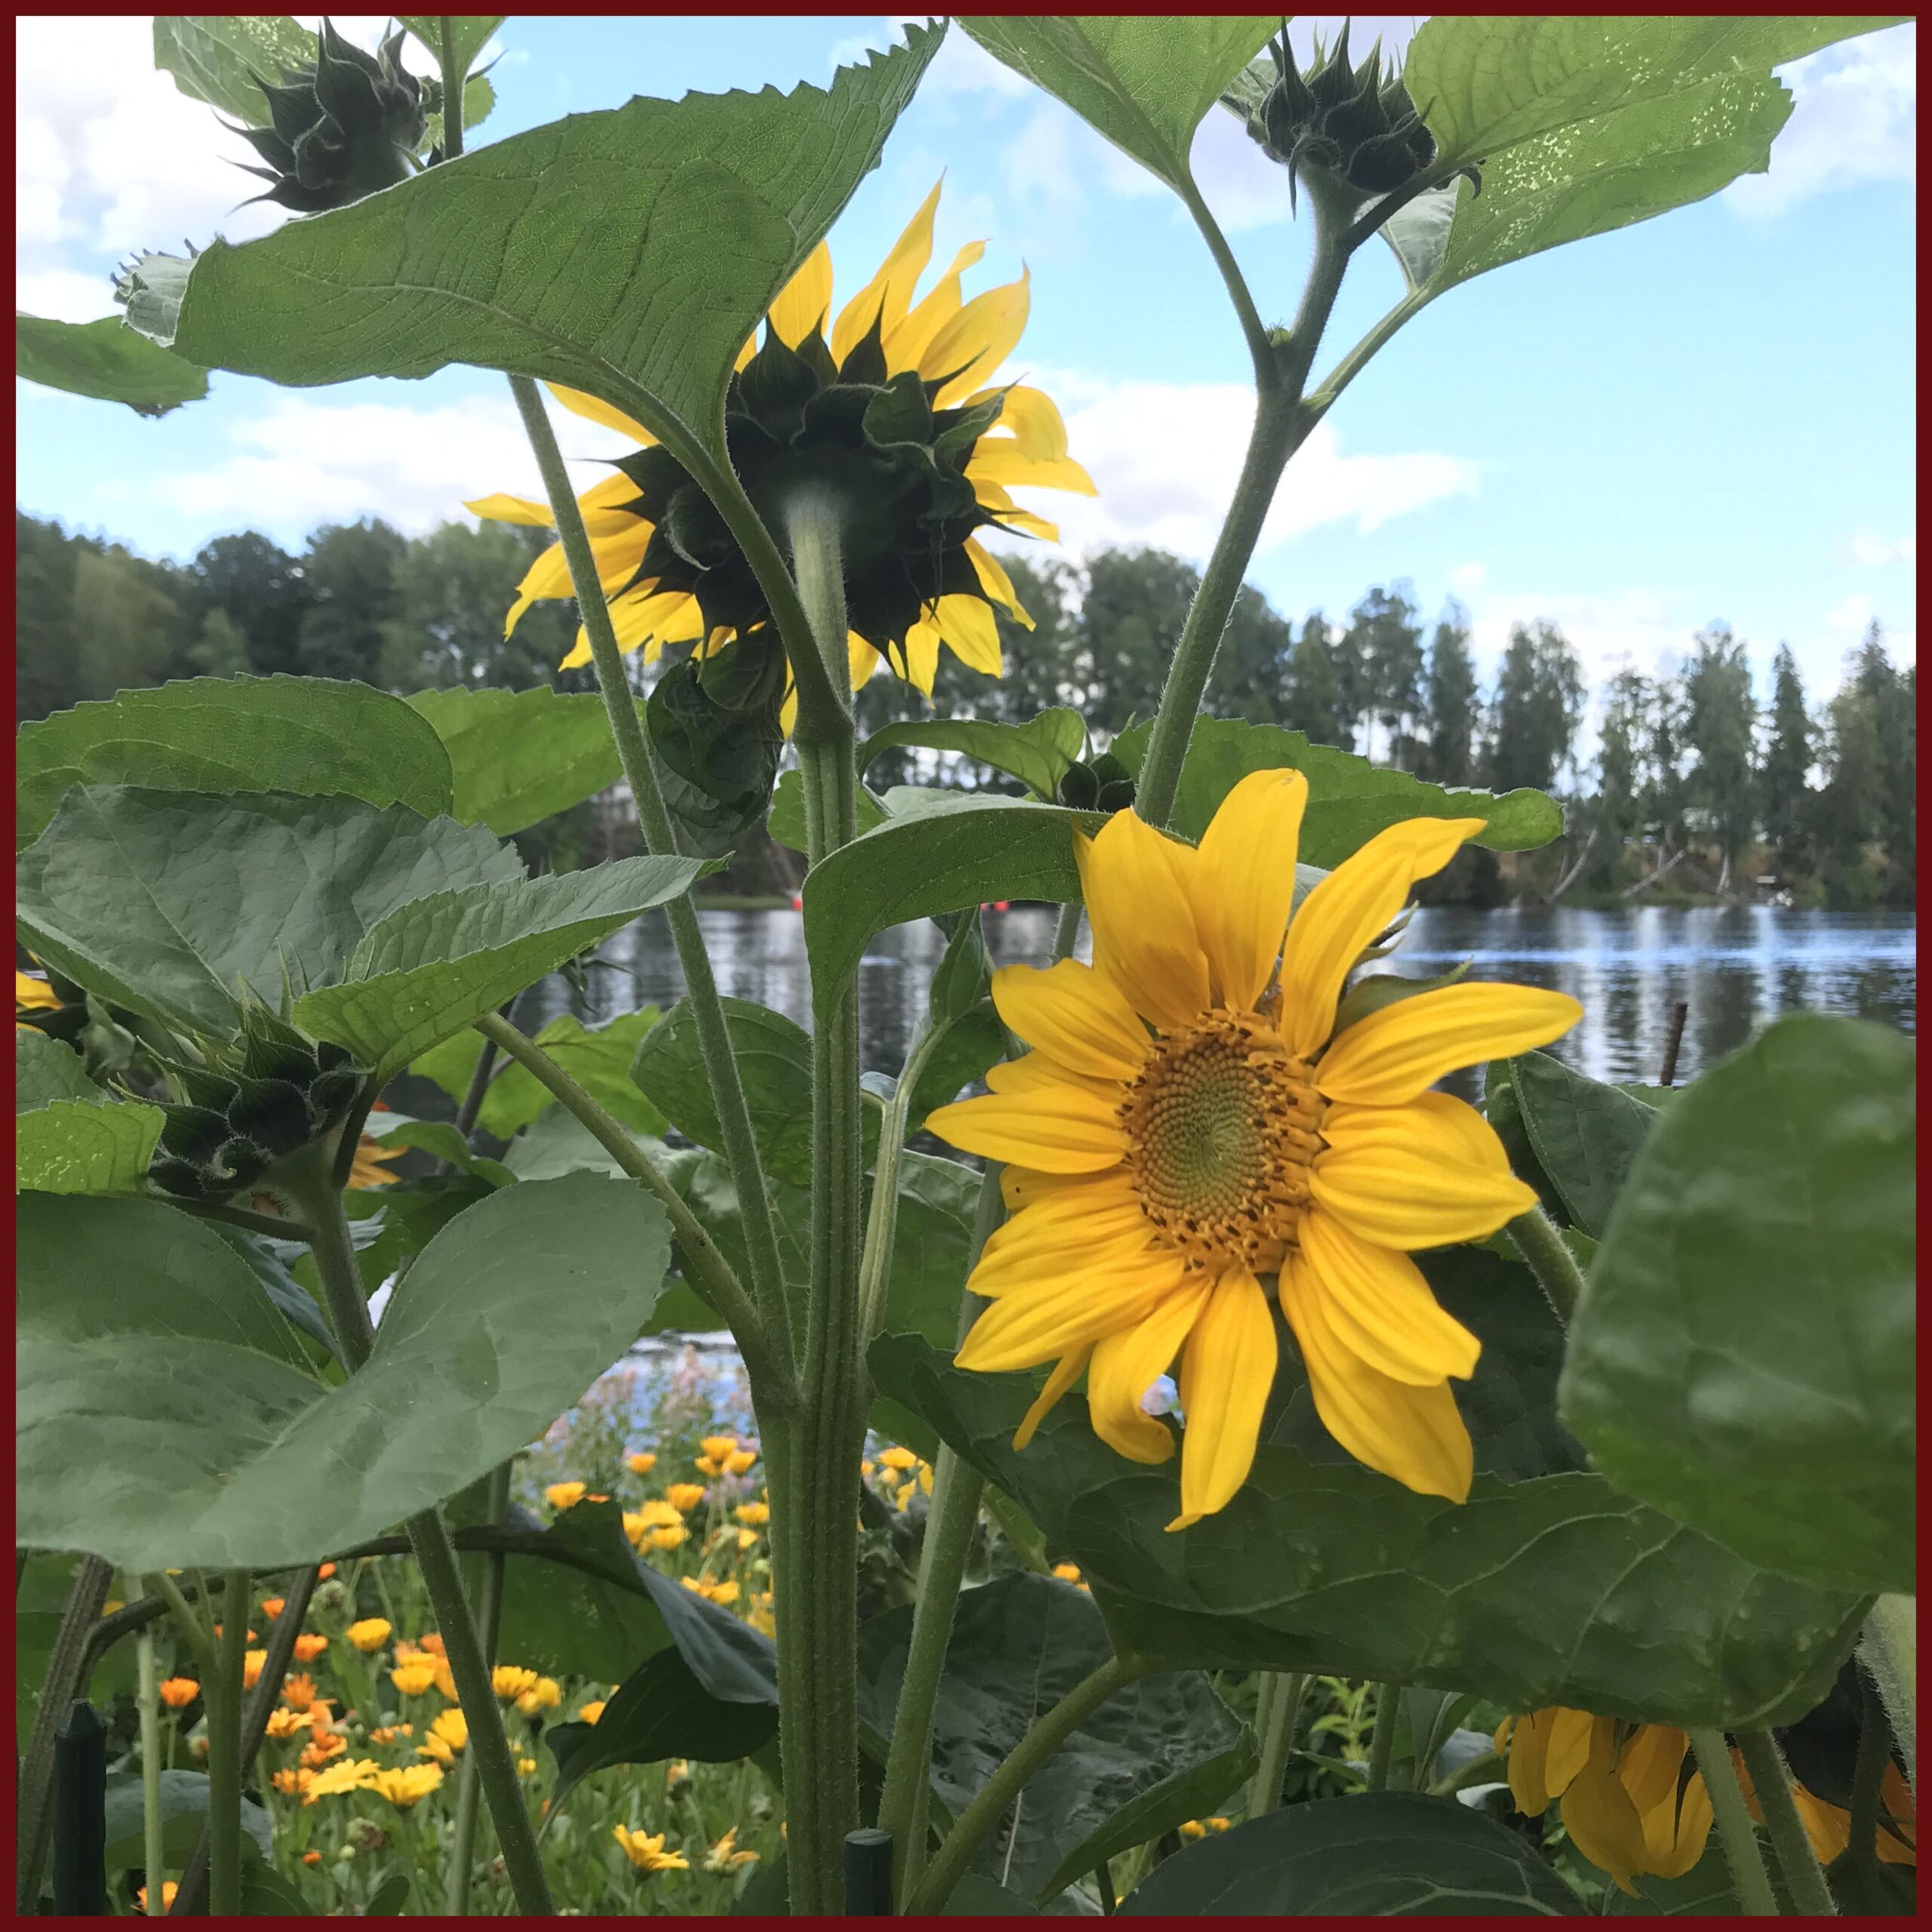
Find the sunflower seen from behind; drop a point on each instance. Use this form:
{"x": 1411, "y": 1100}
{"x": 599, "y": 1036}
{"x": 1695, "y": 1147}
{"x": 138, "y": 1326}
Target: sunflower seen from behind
{"x": 1190, "y": 1134}
{"x": 887, "y": 403}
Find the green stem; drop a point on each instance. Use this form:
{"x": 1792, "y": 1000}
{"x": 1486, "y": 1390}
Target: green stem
{"x": 1803, "y": 1878}
{"x": 976, "y": 1821}
{"x": 479, "y": 1083}
{"x": 154, "y": 1862}
{"x": 1549, "y": 1259}
{"x": 814, "y": 1515}
{"x": 1890, "y": 1649}
{"x": 957, "y": 1489}
{"x": 188, "y": 1621}
{"x": 273, "y": 1225}
{"x": 1278, "y": 1736}
{"x": 1868, "y": 1777}
{"x": 469, "y": 1788}
{"x": 222, "y": 1695}
{"x": 64, "y": 1681}
{"x": 1749, "y": 1879}
{"x": 1027, "y": 1540}
{"x": 1484, "y": 1770}
{"x": 454, "y": 73}
{"x": 1260, "y": 344}
{"x": 640, "y": 768}
{"x": 435, "y": 1557}
{"x": 712, "y": 1274}
{"x": 882, "y": 1219}
{"x": 1381, "y": 1746}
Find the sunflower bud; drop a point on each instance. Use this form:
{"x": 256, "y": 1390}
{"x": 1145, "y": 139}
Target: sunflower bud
{"x": 268, "y": 1094}
{"x": 1102, "y": 784}
{"x": 341, "y": 130}
{"x": 1351, "y": 125}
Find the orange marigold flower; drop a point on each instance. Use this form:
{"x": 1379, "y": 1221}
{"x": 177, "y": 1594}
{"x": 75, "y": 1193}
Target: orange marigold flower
{"x": 298, "y": 1692}
{"x": 308, "y": 1646}
{"x": 273, "y": 1607}
{"x": 178, "y": 1693}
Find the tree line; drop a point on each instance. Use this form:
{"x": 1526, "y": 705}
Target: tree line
{"x": 1692, "y": 786}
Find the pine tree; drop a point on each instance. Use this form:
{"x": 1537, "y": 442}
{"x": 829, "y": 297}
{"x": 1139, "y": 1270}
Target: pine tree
{"x": 1784, "y": 778}
{"x": 1615, "y": 816}
{"x": 1895, "y": 822}
{"x": 1721, "y": 723}
{"x": 1315, "y": 703}
{"x": 1448, "y": 755}
{"x": 1388, "y": 641}
{"x": 1538, "y": 705}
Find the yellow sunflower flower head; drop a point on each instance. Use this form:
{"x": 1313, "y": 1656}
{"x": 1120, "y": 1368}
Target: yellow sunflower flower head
{"x": 1190, "y": 1123}
{"x": 1624, "y": 1803}
{"x": 890, "y": 405}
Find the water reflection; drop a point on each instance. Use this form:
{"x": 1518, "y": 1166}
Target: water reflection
{"x": 1737, "y": 967}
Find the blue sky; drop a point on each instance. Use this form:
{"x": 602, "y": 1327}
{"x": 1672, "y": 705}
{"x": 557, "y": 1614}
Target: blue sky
{"x": 1706, "y": 415}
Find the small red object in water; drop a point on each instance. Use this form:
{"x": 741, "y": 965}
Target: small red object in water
{"x": 1000, "y": 905}
{"x": 797, "y": 902}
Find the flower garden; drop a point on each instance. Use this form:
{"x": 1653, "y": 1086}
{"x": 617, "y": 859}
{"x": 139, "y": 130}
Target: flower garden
{"x": 1235, "y": 1474}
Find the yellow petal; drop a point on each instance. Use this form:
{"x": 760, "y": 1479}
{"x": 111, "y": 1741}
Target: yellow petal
{"x": 861, "y": 659}
{"x": 1039, "y": 1247}
{"x": 907, "y": 340}
{"x": 922, "y": 656}
{"x": 578, "y": 403}
{"x": 1407, "y": 1178}
{"x": 967, "y": 624}
{"x": 1572, "y": 1733}
{"x": 1226, "y": 1374}
{"x": 994, "y": 461}
{"x": 1340, "y": 918}
{"x": 884, "y": 299}
{"x": 1648, "y": 1765}
{"x": 1692, "y": 1833}
{"x": 1391, "y": 1055}
{"x": 1604, "y": 1826}
{"x": 1077, "y": 1016}
{"x": 500, "y": 509}
{"x": 1065, "y": 1373}
{"x": 1245, "y": 881}
{"x": 1040, "y": 1269}
{"x": 1062, "y": 1129}
{"x": 1381, "y": 1308}
{"x": 1526, "y": 1741}
{"x": 1414, "y": 1435}
{"x": 1036, "y": 1325}
{"x": 804, "y": 303}
{"x": 1030, "y": 416}
{"x": 994, "y": 582}
{"x": 1032, "y": 1072}
{"x": 1135, "y": 882}
{"x": 972, "y": 344}
{"x": 993, "y": 496}
{"x": 1129, "y": 1362}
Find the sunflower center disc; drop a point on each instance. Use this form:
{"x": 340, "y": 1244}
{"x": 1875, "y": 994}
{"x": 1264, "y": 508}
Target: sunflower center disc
{"x": 1221, "y": 1126}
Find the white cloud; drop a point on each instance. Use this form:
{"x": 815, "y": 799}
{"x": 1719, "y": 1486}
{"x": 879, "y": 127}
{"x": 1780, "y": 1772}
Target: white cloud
{"x": 67, "y": 295}
{"x": 1871, "y": 551}
{"x": 301, "y": 463}
{"x": 1467, "y": 580}
{"x": 1856, "y": 119}
{"x": 1164, "y": 457}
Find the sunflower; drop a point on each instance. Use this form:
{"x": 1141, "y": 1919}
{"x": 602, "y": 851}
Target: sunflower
{"x": 894, "y": 411}
{"x": 1190, "y": 1121}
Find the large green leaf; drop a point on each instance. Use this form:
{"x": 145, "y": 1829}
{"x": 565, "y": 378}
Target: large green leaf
{"x": 959, "y": 851}
{"x": 1144, "y": 81}
{"x": 1585, "y": 1133}
{"x": 1037, "y": 752}
{"x": 466, "y": 34}
{"x": 599, "y": 1058}
{"x": 184, "y": 1811}
{"x": 71, "y": 1136}
{"x": 786, "y": 824}
{"x": 1548, "y": 1586}
{"x": 1349, "y": 800}
{"x": 628, "y": 253}
{"x": 437, "y": 964}
{"x": 1383, "y": 1854}
{"x": 1157, "y": 1753}
{"x": 311, "y": 735}
{"x": 518, "y": 756}
{"x": 107, "y": 360}
{"x": 1743, "y": 1359}
{"x": 167, "y": 902}
{"x": 215, "y": 57}
{"x": 147, "y": 1350}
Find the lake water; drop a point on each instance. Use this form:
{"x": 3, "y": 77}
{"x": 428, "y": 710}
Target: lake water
{"x": 1737, "y": 967}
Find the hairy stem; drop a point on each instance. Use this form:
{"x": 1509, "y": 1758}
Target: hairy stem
{"x": 976, "y": 1821}
{"x": 1549, "y": 1258}
{"x": 1890, "y": 1651}
{"x": 1382, "y": 1745}
{"x": 223, "y": 1694}
{"x": 154, "y": 1863}
{"x": 454, "y": 73}
{"x": 1749, "y": 1879}
{"x": 1277, "y": 1736}
{"x": 1803, "y": 1875}
{"x": 468, "y": 1788}
{"x": 882, "y": 1219}
{"x": 640, "y": 767}
{"x": 1868, "y": 1777}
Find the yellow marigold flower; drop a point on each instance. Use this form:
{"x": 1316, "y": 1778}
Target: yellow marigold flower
{"x": 407, "y": 1784}
{"x": 252, "y": 1661}
{"x": 323, "y": 1748}
{"x": 1828, "y": 1826}
{"x": 433, "y": 1642}
{"x": 352, "y": 1774}
{"x": 510, "y": 1681}
{"x": 370, "y": 1165}
{"x": 718, "y": 1447}
{"x": 759, "y": 1615}
{"x": 388, "y": 1733}
{"x": 642, "y": 1462}
{"x": 450, "y": 1730}
{"x": 739, "y": 1461}
{"x": 564, "y": 1495}
{"x": 746, "y": 1538}
{"x": 867, "y": 1466}
{"x": 897, "y": 1458}
{"x": 1190, "y": 1121}
{"x": 1623, "y": 1803}
{"x": 725, "y": 1592}
{"x": 525, "y": 1766}
{"x": 933, "y": 583}
{"x": 725, "y": 1856}
{"x": 685, "y": 1497}
{"x": 284, "y": 1723}
{"x": 294, "y": 1782}
{"x": 705, "y": 1466}
{"x": 647, "y": 1853}
{"x": 273, "y": 1607}
{"x": 414, "y": 1678}
{"x": 308, "y": 1646}
{"x": 178, "y": 1693}
{"x": 369, "y": 1635}
{"x": 32, "y": 994}
{"x": 677, "y": 1775}
{"x": 169, "y": 1887}
{"x": 1068, "y": 1573}
{"x": 545, "y": 1694}
{"x": 1192, "y": 1828}
{"x": 904, "y": 1500}
{"x": 668, "y": 1538}
{"x": 756, "y": 1514}
{"x": 590, "y": 1712}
